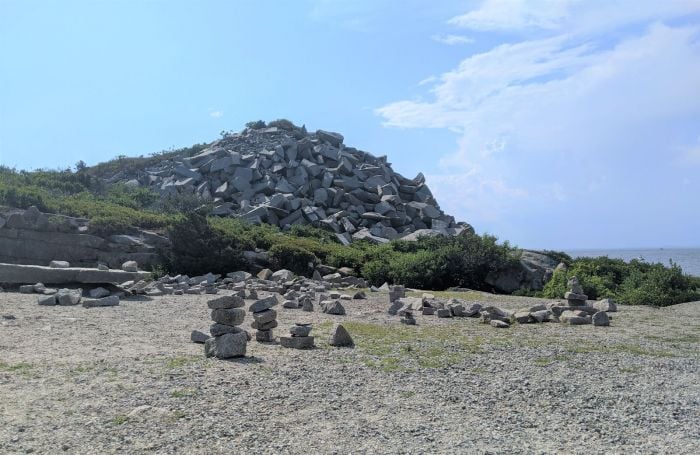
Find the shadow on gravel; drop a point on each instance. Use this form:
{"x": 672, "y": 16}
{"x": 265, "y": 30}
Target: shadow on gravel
{"x": 252, "y": 360}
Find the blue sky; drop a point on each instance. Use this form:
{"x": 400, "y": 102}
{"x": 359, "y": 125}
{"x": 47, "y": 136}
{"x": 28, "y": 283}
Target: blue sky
{"x": 552, "y": 124}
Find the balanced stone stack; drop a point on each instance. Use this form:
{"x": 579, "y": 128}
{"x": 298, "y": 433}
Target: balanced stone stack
{"x": 575, "y": 295}
{"x": 228, "y": 339}
{"x": 282, "y": 175}
{"x": 396, "y": 293}
{"x": 265, "y": 319}
{"x": 300, "y": 338}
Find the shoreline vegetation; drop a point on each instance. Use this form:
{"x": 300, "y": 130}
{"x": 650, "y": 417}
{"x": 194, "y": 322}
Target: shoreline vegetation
{"x": 208, "y": 243}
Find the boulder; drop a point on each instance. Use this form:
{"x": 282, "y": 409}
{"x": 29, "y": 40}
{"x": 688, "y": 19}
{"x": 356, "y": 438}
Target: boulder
{"x": 263, "y": 304}
{"x": 239, "y": 276}
{"x": 232, "y": 316}
{"x": 47, "y": 300}
{"x": 532, "y": 271}
{"x": 197, "y": 336}
{"x": 221, "y": 329}
{"x": 130, "y": 266}
{"x": 444, "y": 313}
{"x": 98, "y": 293}
{"x": 600, "y": 319}
{"x": 265, "y": 274}
{"x": 67, "y": 297}
{"x": 297, "y": 342}
{"x": 226, "y": 302}
{"x": 282, "y": 275}
{"x": 340, "y": 337}
{"x": 263, "y": 317}
{"x": 112, "y": 300}
{"x": 226, "y": 346}
{"x": 264, "y": 336}
{"x": 333, "y": 307}
{"x": 608, "y": 305}
{"x": 300, "y": 330}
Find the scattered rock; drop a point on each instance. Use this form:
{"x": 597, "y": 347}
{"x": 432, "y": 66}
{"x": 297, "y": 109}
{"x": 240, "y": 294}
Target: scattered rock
{"x": 340, "y": 337}
{"x": 98, "y": 293}
{"x": 333, "y": 307}
{"x": 197, "y": 336}
{"x": 608, "y": 305}
{"x": 59, "y": 264}
{"x": 600, "y": 319}
{"x": 130, "y": 266}
{"x": 112, "y": 300}
{"x": 68, "y": 297}
{"x": 226, "y": 302}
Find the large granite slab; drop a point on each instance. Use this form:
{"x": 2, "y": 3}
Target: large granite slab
{"x": 29, "y": 274}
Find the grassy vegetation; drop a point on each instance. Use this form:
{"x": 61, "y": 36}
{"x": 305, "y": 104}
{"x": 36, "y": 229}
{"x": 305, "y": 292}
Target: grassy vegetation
{"x": 393, "y": 347}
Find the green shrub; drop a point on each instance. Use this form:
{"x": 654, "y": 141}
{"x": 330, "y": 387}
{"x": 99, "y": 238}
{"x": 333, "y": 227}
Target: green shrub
{"x": 283, "y": 124}
{"x": 633, "y": 283}
{"x": 256, "y": 125}
{"x": 197, "y": 248}
{"x": 298, "y": 260}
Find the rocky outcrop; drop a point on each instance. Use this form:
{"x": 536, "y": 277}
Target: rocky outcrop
{"x": 286, "y": 176}
{"x": 532, "y": 271}
{"x": 34, "y": 238}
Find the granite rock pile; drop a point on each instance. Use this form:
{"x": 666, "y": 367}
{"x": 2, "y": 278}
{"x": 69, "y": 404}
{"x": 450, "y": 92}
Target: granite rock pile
{"x": 284, "y": 175}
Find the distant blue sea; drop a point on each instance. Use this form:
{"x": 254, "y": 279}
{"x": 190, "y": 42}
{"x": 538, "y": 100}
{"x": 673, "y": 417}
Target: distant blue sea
{"x": 687, "y": 258}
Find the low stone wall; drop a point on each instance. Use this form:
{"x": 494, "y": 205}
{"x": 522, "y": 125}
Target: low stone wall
{"x": 33, "y": 238}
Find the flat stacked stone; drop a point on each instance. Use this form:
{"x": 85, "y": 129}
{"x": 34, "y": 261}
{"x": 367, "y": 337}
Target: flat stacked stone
{"x": 300, "y": 338}
{"x": 265, "y": 319}
{"x": 575, "y": 295}
{"x": 228, "y": 339}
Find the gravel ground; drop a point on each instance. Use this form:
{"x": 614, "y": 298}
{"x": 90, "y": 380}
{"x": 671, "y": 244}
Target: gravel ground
{"x": 127, "y": 379}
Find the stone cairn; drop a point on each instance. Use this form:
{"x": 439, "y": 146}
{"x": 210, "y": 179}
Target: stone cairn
{"x": 299, "y": 338}
{"x": 575, "y": 295}
{"x": 265, "y": 319}
{"x": 396, "y": 293}
{"x": 228, "y": 339}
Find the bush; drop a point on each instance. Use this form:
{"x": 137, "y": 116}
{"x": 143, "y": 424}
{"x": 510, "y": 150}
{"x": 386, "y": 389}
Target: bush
{"x": 298, "y": 260}
{"x": 633, "y": 283}
{"x": 283, "y": 124}
{"x": 256, "y": 125}
{"x": 197, "y": 248}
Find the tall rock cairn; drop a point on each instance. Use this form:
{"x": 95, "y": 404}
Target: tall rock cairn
{"x": 228, "y": 339}
{"x": 283, "y": 175}
{"x": 265, "y": 319}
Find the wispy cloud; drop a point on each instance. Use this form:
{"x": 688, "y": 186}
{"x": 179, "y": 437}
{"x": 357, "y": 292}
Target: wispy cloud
{"x": 216, "y": 114}
{"x": 569, "y": 99}
{"x": 452, "y": 40}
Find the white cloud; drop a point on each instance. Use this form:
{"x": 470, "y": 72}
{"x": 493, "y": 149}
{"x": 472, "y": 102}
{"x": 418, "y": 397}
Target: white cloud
{"x": 216, "y": 114}
{"x": 514, "y": 14}
{"x": 548, "y": 121}
{"x": 452, "y": 40}
{"x": 572, "y": 16}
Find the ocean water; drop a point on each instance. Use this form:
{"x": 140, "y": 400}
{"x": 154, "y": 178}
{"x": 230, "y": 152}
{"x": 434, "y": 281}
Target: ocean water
{"x": 687, "y": 258}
